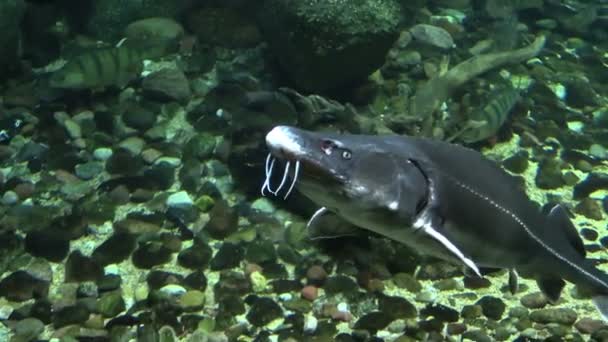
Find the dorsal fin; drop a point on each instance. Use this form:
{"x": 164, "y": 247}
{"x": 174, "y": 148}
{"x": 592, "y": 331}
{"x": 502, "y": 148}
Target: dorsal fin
{"x": 559, "y": 217}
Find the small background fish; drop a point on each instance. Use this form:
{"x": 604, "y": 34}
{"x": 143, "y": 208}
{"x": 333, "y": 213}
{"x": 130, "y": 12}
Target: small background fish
{"x": 485, "y": 122}
{"x": 103, "y": 67}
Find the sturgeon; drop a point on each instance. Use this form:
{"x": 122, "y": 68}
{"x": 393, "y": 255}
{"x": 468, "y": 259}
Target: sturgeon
{"x": 438, "y": 198}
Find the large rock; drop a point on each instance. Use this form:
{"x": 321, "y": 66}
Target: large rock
{"x": 109, "y": 18}
{"x": 11, "y": 14}
{"x": 324, "y": 44}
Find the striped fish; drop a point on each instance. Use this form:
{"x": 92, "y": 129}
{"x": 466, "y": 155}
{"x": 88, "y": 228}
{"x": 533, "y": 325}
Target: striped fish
{"x": 485, "y": 122}
{"x": 98, "y": 68}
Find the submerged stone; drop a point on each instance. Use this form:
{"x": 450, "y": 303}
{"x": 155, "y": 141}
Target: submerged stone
{"x": 47, "y": 244}
{"x": 223, "y": 220}
{"x": 263, "y": 311}
{"x": 228, "y": 256}
{"x": 74, "y": 314}
{"x": 28, "y": 329}
{"x": 397, "y": 307}
{"x": 111, "y": 304}
{"x": 324, "y": 45}
{"x": 79, "y": 268}
{"x": 549, "y": 174}
{"x": 440, "y": 312}
{"x": 432, "y": 35}
{"x": 492, "y": 307}
{"x": 373, "y": 321}
{"x": 21, "y": 286}
{"x": 115, "y": 249}
{"x": 554, "y": 315}
{"x": 589, "y": 208}
{"x": 260, "y": 251}
{"x": 196, "y": 280}
{"x": 150, "y": 254}
{"x": 195, "y": 257}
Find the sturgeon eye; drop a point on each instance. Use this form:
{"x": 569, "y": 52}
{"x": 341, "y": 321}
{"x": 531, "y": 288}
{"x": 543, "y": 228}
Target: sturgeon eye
{"x": 346, "y": 154}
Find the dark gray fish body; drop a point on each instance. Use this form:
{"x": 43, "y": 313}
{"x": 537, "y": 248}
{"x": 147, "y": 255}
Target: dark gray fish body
{"x": 440, "y": 199}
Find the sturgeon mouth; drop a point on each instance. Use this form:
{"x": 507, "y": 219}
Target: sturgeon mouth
{"x": 286, "y": 147}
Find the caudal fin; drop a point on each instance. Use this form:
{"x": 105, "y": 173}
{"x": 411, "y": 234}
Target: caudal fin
{"x": 601, "y": 304}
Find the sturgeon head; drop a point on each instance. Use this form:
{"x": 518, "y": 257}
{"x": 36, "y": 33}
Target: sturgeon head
{"x": 354, "y": 176}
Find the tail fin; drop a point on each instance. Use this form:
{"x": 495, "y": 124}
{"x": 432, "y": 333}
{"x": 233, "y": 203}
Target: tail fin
{"x": 601, "y": 304}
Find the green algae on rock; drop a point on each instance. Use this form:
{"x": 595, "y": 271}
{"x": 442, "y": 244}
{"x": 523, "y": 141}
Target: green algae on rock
{"x": 324, "y": 44}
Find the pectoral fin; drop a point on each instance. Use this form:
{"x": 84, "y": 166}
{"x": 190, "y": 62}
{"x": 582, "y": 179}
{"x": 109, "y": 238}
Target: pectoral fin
{"x": 320, "y": 212}
{"x": 424, "y": 223}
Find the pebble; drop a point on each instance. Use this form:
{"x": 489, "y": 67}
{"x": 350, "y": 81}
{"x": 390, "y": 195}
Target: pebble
{"x": 28, "y": 329}
{"x": 589, "y": 208}
{"x": 589, "y": 234}
{"x": 72, "y": 128}
{"x": 517, "y": 163}
{"x": 549, "y": 174}
{"x": 173, "y": 290}
{"x": 410, "y": 58}
{"x": 476, "y": 335}
{"x": 440, "y": 312}
{"x": 192, "y": 300}
{"x": 167, "y": 84}
{"x": 476, "y": 282}
{"x": 171, "y": 161}
{"x": 471, "y": 311}
{"x": 10, "y": 198}
{"x": 446, "y": 284}
{"x": 150, "y": 155}
{"x": 535, "y": 300}
{"x": 75, "y": 314}
{"x": 456, "y": 328}
{"x": 111, "y": 304}
{"x": 554, "y": 315}
{"x": 426, "y": 297}
{"x": 195, "y": 257}
{"x": 133, "y": 144}
{"x": 88, "y": 170}
{"x": 310, "y": 324}
{"x": 547, "y": 24}
{"x": 373, "y": 321}
{"x": 589, "y": 325}
{"x": 5, "y": 311}
{"x": 6, "y": 152}
{"x": 228, "y": 256}
{"x": 432, "y": 35}
{"x": 597, "y": 151}
{"x": 139, "y": 118}
{"x": 102, "y": 153}
{"x": 316, "y": 274}
{"x": 150, "y": 254}
{"x": 593, "y": 182}
{"x": 263, "y": 310}
{"x": 141, "y": 292}
{"x": 79, "y": 143}
{"x": 397, "y": 306}
{"x": 310, "y": 292}
{"x": 263, "y": 205}
{"x": 407, "y": 281}
{"x": 25, "y": 190}
{"x": 180, "y": 200}
{"x": 223, "y": 220}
